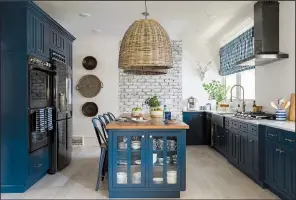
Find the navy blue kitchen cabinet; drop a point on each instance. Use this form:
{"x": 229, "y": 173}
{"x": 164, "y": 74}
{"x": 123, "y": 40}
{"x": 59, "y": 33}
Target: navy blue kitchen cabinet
{"x": 37, "y": 35}
{"x": 195, "y": 134}
{"x": 280, "y": 162}
{"x": 242, "y": 148}
{"x": 24, "y": 31}
{"x": 160, "y": 153}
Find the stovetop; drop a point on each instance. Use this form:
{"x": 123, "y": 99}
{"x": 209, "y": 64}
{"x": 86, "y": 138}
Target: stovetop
{"x": 253, "y": 116}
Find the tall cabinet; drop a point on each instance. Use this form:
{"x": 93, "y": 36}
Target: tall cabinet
{"x": 24, "y": 30}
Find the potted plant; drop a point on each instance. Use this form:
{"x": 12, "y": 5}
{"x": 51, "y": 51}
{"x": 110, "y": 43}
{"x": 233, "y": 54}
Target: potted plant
{"x": 154, "y": 105}
{"x": 216, "y": 91}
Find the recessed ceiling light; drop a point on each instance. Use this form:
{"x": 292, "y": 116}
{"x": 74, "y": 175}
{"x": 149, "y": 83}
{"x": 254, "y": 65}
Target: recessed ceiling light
{"x": 97, "y": 31}
{"x": 84, "y": 14}
{"x": 211, "y": 16}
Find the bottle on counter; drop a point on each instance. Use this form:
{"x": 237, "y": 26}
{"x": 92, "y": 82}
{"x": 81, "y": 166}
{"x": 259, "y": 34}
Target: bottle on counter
{"x": 254, "y": 107}
{"x": 164, "y": 110}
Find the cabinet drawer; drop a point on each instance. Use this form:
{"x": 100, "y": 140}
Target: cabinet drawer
{"x": 243, "y": 127}
{"x": 272, "y": 133}
{"x": 226, "y": 123}
{"x": 38, "y": 162}
{"x": 234, "y": 124}
{"x": 252, "y": 130}
{"x": 287, "y": 137}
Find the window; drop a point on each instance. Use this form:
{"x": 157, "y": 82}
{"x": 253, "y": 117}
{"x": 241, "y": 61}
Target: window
{"x": 245, "y": 79}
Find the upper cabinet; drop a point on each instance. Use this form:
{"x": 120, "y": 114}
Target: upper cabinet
{"x": 37, "y": 35}
{"x": 45, "y": 34}
{"x": 57, "y": 41}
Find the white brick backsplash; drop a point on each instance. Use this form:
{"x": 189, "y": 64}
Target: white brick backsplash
{"x": 135, "y": 89}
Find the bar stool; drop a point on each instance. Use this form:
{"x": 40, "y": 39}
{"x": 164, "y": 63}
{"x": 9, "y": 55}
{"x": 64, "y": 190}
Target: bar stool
{"x": 103, "y": 162}
{"x": 111, "y": 116}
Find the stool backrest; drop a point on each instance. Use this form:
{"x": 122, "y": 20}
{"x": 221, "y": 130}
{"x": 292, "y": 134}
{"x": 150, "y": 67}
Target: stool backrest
{"x": 107, "y": 118}
{"x": 111, "y": 116}
{"x": 104, "y": 122}
{"x": 99, "y": 131}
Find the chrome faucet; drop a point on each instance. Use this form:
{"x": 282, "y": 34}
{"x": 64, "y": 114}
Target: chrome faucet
{"x": 244, "y": 104}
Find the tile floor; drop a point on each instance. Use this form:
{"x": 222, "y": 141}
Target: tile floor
{"x": 209, "y": 176}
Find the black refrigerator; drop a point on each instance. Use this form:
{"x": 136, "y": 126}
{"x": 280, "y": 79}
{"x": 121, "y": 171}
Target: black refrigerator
{"x": 61, "y": 139}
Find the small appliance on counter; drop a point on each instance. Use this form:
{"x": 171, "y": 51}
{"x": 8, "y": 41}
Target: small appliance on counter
{"x": 192, "y": 104}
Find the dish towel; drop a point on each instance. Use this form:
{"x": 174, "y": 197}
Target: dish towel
{"x": 40, "y": 123}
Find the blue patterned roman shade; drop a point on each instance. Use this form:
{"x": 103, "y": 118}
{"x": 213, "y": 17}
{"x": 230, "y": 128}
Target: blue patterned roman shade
{"x": 236, "y": 50}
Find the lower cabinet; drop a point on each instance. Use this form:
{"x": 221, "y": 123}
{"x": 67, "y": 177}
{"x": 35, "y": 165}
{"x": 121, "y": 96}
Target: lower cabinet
{"x": 195, "y": 134}
{"x": 280, "y": 163}
{"x": 221, "y": 139}
{"x": 147, "y": 163}
{"x": 253, "y": 156}
{"x": 243, "y": 148}
{"x": 38, "y": 164}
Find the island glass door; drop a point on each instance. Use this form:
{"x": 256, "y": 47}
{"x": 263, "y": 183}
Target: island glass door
{"x": 164, "y": 168}
{"x": 129, "y": 159}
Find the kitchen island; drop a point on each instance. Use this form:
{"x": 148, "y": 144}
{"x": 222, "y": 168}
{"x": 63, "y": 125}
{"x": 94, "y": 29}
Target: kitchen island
{"x": 147, "y": 159}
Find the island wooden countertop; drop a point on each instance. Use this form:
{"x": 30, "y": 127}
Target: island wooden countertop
{"x": 153, "y": 123}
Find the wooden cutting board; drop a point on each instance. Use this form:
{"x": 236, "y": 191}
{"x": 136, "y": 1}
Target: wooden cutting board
{"x": 292, "y": 108}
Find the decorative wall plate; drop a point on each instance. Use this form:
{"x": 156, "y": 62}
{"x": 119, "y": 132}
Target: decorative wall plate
{"x": 89, "y": 63}
{"x": 89, "y": 86}
{"x": 90, "y": 109}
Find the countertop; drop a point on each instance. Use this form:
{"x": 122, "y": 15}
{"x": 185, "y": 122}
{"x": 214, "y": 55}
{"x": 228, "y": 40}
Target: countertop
{"x": 285, "y": 125}
{"x": 153, "y": 123}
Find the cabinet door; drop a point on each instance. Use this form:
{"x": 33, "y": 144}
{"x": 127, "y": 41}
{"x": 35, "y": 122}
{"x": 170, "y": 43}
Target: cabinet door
{"x": 243, "y": 151}
{"x": 272, "y": 159}
{"x": 129, "y": 161}
{"x": 53, "y": 38}
{"x": 42, "y": 42}
{"x": 165, "y": 159}
{"x": 68, "y": 53}
{"x": 287, "y": 169}
{"x": 233, "y": 144}
{"x": 32, "y": 22}
{"x": 252, "y": 156}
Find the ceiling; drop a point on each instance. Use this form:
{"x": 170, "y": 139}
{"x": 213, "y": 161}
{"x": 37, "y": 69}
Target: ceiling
{"x": 206, "y": 19}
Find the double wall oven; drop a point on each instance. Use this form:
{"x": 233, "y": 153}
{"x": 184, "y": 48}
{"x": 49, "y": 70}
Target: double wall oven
{"x": 41, "y": 93}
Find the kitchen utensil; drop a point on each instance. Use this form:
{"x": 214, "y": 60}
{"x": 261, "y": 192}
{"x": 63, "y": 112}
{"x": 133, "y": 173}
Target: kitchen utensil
{"x": 89, "y": 63}
{"x": 171, "y": 180}
{"x": 136, "y": 146}
{"x": 292, "y": 107}
{"x": 90, "y": 109}
{"x": 138, "y": 162}
{"x": 160, "y": 161}
{"x": 158, "y": 180}
{"x": 286, "y": 105}
{"x": 139, "y": 120}
{"x": 154, "y": 158}
{"x": 273, "y": 105}
{"x": 172, "y": 173}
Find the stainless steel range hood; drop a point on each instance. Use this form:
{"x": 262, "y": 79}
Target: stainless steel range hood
{"x": 266, "y": 35}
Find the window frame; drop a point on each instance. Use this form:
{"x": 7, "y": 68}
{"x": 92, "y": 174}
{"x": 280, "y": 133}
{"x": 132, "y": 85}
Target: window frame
{"x": 238, "y": 90}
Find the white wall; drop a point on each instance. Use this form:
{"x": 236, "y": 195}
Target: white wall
{"x": 277, "y": 80}
{"x": 105, "y": 50}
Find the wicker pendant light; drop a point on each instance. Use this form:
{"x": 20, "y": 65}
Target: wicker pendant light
{"x": 145, "y": 48}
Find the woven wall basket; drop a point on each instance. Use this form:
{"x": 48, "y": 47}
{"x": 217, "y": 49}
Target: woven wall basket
{"x": 145, "y": 47}
{"x": 89, "y": 86}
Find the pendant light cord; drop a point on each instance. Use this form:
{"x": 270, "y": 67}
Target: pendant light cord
{"x": 146, "y": 10}
{"x": 145, "y": 13}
